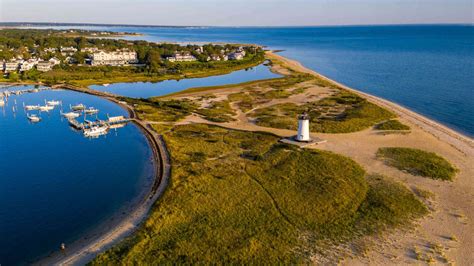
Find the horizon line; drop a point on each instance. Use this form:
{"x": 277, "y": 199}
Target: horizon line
{"x": 234, "y": 26}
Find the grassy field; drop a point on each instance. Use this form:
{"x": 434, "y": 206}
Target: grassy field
{"x": 341, "y": 113}
{"x": 391, "y": 125}
{"x": 418, "y": 162}
{"x": 243, "y": 198}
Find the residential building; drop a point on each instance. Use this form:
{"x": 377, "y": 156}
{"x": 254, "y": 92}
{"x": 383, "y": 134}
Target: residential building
{"x": 11, "y": 65}
{"x": 44, "y": 66}
{"x": 236, "y": 56}
{"x": 178, "y": 57}
{"x": 65, "y": 51}
{"x": 116, "y": 58}
{"x": 50, "y": 50}
{"x": 90, "y": 50}
{"x": 54, "y": 61}
{"x": 28, "y": 64}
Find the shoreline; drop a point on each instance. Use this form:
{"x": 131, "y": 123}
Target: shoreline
{"x": 86, "y": 251}
{"x": 456, "y": 139}
{"x": 127, "y": 220}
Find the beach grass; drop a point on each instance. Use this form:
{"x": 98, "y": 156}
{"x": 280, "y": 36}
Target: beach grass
{"x": 391, "y": 124}
{"x": 418, "y": 162}
{"x": 239, "y": 197}
{"x": 344, "y": 112}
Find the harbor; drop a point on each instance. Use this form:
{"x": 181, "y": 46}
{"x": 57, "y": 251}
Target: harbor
{"x": 62, "y": 167}
{"x": 79, "y": 116}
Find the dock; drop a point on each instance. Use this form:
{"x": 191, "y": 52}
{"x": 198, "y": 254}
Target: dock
{"x": 111, "y": 122}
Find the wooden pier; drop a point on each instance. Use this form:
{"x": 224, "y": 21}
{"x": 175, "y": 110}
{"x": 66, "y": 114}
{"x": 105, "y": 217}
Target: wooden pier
{"x": 110, "y": 122}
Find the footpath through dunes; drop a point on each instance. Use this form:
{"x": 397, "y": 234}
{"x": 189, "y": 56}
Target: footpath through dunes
{"x": 243, "y": 197}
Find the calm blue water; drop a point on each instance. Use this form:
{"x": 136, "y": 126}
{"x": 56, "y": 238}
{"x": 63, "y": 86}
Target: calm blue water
{"x": 55, "y": 185}
{"x": 148, "y": 89}
{"x": 428, "y": 69}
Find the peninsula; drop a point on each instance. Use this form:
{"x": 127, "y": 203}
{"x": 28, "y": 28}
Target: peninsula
{"x": 387, "y": 186}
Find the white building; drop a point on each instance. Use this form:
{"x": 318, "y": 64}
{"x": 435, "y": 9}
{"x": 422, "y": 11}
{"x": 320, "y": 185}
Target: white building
{"x": 44, "y": 66}
{"x": 116, "y": 58}
{"x": 65, "y": 51}
{"x": 50, "y": 50}
{"x": 28, "y": 64}
{"x": 54, "y": 61}
{"x": 177, "y": 57}
{"x": 11, "y": 65}
{"x": 236, "y": 56}
{"x": 90, "y": 50}
{"x": 303, "y": 128}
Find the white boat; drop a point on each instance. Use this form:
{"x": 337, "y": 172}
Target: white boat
{"x": 95, "y": 131}
{"x": 31, "y": 107}
{"x": 71, "y": 114}
{"x": 33, "y": 118}
{"x": 2, "y": 102}
{"x": 46, "y": 108}
{"x": 53, "y": 103}
{"x": 78, "y": 107}
{"x": 91, "y": 110}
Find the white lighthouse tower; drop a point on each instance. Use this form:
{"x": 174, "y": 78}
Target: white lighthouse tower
{"x": 303, "y": 128}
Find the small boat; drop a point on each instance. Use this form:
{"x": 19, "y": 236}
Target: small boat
{"x": 31, "y": 107}
{"x": 95, "y": 131}
{"x": 78, "y": 107}
{"x": 2, "y": 102}
{"x": 46, "y": 108}
{"x": 34, "y": 118}
{"x": 53, "y": 103}
{"x": 71, "y": 115}
{"x": 91, "y": 110}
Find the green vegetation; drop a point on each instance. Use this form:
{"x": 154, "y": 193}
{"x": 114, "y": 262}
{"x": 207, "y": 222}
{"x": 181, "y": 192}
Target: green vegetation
{"x": 342, "y": 113}
{"x": 217, "y": 112}
{"x": 162, "y": 110}
{"x": 240, "y": 197}
{"x": 418, "y": 162}
{"x": 46, "y": 44}
{"x": 391, "y": 125}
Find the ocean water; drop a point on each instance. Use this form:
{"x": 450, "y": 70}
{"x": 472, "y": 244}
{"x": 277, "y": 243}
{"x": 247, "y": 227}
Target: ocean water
{"x": 150, "y": 89}
{"x": 427, "y": 68}
{"x": 55, "y": 184}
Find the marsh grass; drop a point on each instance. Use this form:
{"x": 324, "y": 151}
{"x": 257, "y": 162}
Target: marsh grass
{"x": 418, "y": 162}
{"x": 240, "y": 197}
{"x": 219, "y": 111}
{"x": 342, "y": 113}
{"x": 391, "y": 125}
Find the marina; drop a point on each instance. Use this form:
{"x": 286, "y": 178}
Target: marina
{"x": 57, "y": 211}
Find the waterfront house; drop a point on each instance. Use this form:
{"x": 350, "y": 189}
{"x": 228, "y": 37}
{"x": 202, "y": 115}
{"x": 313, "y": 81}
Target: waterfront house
{"x": 178, "y": 57}
{"x": 44, "y": 66}
{"x": 28, "y": 64}
{"x": 115, "y": 58}
{"x": 11, "y": 65}
{"x": 236, "y": 56}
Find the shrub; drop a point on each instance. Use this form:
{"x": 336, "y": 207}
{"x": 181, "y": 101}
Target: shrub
{"x": 418, "y": 162}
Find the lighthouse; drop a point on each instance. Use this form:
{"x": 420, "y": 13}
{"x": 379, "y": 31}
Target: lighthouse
{"x": 303, "y": 128}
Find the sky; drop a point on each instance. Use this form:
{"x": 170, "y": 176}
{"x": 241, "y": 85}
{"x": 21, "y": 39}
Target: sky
{"x": 239, "y": 12}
